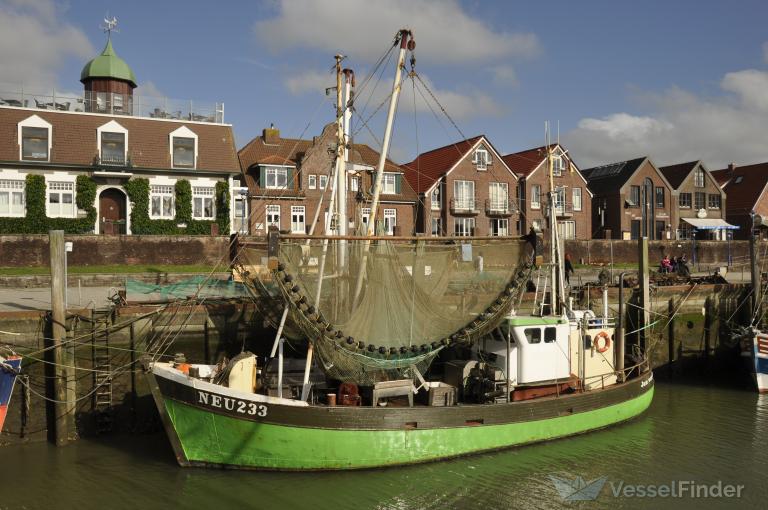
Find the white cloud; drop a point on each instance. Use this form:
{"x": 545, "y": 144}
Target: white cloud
{"x": 148, "y": 89}
{"x": 34, "y": 42}
{"x": 504, "y": 75}
{"x": 684, "y": 127}
{"x": 310, "y": 81}
{"x": 443, "y": 31}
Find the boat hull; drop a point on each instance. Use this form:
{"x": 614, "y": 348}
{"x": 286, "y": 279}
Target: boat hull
{"x": 331, "y": 438}
{"x": 8, "y": 373}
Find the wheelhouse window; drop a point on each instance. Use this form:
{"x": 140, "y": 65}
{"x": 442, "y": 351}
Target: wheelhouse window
{"x": 577, "y": 199}
{"x": 61, "y": 199}
{"x": 183, "y": 152}
{"x": 464, "y": 227}
{"x": 536, "y": 196}
{"x": 276, "y": 178}
{"x": 203, "y": 203}
{"x": 434, "y": 198}
{"x": 34, "y": 143}
{"x": 112, "y": 148}
{"x": 714, "y": 201}
{"x": 533, "y": 335}
{"x": 550, "y": 335}
{"x": 273, "y": 216}
{"x": 162, "y": 202}
{"x": 685, "y": 200}
{"x": 12, "y": 197}
{"x": 298, "y": 224}
{"x": 660, "y": 197}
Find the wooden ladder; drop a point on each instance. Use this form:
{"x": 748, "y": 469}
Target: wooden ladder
{"x": 102, "y": 375}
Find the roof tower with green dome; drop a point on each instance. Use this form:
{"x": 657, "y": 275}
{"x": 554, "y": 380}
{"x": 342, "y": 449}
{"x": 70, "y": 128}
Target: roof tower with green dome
{"x": 108, "y": 65}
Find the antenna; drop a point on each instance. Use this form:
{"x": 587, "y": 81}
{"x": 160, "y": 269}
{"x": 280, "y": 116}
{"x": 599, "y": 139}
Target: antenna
{"x": 110, "y": 25}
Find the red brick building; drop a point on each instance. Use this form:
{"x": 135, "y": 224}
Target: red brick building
{"x": 747, "y": 191}
{"x": 574, "y": 199}
{"x": 464, "y": 189}
{"x": 289, "y": 179}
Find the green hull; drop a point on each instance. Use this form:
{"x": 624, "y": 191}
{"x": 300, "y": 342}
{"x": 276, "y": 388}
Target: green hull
{"x": 202, "y": 437}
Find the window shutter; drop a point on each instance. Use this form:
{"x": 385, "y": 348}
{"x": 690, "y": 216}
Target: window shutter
{"x": 262, "y": 177}
{"x": 398, "y": 183}
{"x": 291, "y": 172}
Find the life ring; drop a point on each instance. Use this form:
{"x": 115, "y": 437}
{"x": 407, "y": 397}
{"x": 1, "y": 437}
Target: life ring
{"x": 606, "y": 343}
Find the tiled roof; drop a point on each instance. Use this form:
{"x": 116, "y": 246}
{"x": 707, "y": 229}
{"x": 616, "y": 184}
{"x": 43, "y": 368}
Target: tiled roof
{"x": 428, "y": 167}
{"x": 745, "y": 185}
{"x": 602, "y": 179}
{"x": 74, "y": 139}
{"x": 525, "y": 162}
{"x": 676, "y": 174}
{"x": 721, "y": 176}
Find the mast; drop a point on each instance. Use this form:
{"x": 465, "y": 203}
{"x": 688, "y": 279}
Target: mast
{"x": 406, "y": 43}
{"x": 344, "y": 113}
{"x": 555, "y": 254}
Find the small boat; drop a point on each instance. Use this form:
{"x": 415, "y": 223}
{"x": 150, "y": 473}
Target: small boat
{"x": 754, "y": 349}
{"x": 416, "y": 350}
{"x": 9, "y": 369}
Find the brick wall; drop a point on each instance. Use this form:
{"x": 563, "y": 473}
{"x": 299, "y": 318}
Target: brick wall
{"x": 598, "y": 251}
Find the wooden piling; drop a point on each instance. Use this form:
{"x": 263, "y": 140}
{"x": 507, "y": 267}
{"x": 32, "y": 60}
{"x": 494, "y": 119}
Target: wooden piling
{"x": 707, "y": 326}
{"x": 58, "y": 332}
{"x": 671, "y": 333}
{"x": 645, "y": 293}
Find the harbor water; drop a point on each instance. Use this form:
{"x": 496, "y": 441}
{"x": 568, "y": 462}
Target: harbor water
{"x": 693, "y": 435}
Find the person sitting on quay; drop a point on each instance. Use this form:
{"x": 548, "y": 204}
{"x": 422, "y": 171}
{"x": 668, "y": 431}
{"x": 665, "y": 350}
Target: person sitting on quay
{"x": 666, "y": 265}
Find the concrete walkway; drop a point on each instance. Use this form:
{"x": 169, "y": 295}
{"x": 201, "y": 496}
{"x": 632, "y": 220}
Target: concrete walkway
{"x": 23, "y": 299}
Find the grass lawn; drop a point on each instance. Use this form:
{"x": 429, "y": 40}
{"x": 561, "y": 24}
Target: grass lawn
{"x": 110, "y": 269}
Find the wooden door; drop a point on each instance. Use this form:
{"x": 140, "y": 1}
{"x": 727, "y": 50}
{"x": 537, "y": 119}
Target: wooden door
{"x": 112, "y": 209}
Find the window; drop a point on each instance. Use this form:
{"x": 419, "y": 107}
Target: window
{"x": 560, "y": 205}
{"x": 738, "y": 179}
{"x": 536, "y": 196}
{"x": 297, "y": 220}
{"x": 434, "y": 198}
{"x": 685, "y": 232}
{"x": 34, "y": 143}
{"x": 12, "y": 197}
{"x": 323, "y": 181}
{"x": 533, "y": 335}
{"x": 312, "y": 181}
{"x": 354, "y": 184}
{"x": 685, "y": 200}
{"x": 276, "y": 178}
{"x": 634, "y": 229}
{"x": 61, "y": 199}
{"x": 202, "y": 203}
{"x": 660, "y": 197}
{"x": 112, "y": 148}
{"x": 634, "y": 196}
{"x": 698, "y": 178}
{"x": 273, "y": 216}
{"x": 700, "y": 200}
{"x": 558, "y": 165}
{"x": 714, "y": 201}
{"x": 464, "y": 227}
{"x": 481, "y": 158}
{"x": 436, "y": 224}
{"x": 464, "y": 195}
{"x": 390, "y": 220}
{"x": 566, "y": 229}
{"x": 161, "y": 201}
{"x": 660, "y": 227}
{"x": 365, "y": 215}
{"x": 183, "y": 152}
{"x": 499, "y": 196}
{"x": 500, "y": 227}
{"x": 550, "y": 335}
{"x": 577, "y": 199}
{"x": 390, "y": 184}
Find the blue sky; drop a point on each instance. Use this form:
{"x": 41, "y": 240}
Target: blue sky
{"x": 674, "y": 80}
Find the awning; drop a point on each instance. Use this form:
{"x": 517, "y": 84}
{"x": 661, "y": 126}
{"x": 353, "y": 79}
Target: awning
{"x": 710, "y": 224}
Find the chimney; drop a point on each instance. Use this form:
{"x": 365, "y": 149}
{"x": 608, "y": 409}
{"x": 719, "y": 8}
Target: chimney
{"x": 271, "y": 135}
{"x": 731, "y": 168}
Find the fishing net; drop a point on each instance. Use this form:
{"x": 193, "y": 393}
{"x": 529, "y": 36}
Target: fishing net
{"x": 414, "y": 298}
{"x": 199, "y": 286}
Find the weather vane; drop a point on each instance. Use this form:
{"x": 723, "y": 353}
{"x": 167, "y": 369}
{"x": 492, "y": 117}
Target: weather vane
{"x": 110, "y": 25}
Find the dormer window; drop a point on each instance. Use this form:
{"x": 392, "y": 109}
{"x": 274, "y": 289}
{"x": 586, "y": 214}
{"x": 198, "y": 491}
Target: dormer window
{"x": 481, "y": 158}
{"x": 34, "y": 139}
{"x": 389, "y": 184}
{"x": 276, "y": 178}
{"x": 183, "y": 152}
{"x": 113, "y": 144}
{"x": 183, "y": 143}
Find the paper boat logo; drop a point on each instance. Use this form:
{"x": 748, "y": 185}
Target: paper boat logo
{"x": 578, "y": 489}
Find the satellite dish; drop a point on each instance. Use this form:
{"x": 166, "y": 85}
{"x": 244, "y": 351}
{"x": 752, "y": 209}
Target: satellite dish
{"x": 702, "y": 213}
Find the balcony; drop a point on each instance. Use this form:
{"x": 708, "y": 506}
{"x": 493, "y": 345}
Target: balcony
{"x": 495, "y": 207}
{"x": 562, "y": 209}
{"x": 111, "y": 104}
{"x": 464, "y": 206}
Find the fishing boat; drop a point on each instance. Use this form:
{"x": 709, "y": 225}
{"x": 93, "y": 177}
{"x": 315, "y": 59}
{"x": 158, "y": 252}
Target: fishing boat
{"x": 417, "y": 349}
{"x": 755, "y": 350}
{"x": 9, "y": 369}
